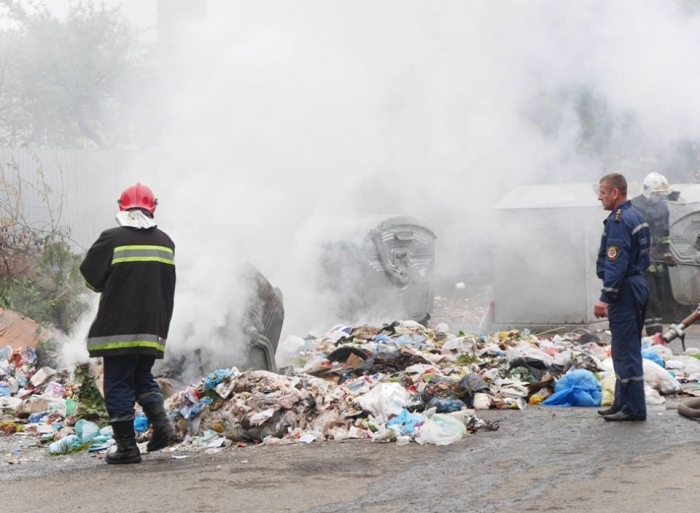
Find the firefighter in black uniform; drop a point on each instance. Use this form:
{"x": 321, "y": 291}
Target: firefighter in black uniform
{"x": 652, "y": 206}
{"x": 133, "y": 266}
{"x": 622, "y": 258}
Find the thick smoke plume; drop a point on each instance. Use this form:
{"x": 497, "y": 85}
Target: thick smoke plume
{"x": 289, "y": 122}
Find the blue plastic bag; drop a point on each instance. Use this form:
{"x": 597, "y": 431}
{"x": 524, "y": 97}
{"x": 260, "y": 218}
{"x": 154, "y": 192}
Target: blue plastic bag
{"x": 576, "y": 388}
{"x": 141, "y": 423}
{"x": 86, "y": 431}
{"x": 214, "y": 378}
{"x": 406, "y": 422}
{"x": 446, "y": 404}
{"x": 64, "y": 445}
{"x": 652, "y": 355}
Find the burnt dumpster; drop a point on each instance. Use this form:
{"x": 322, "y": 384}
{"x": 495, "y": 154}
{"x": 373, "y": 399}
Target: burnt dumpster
{"x": 262, "y": 325}
{"x": 382, "y": 269}
{"x": 248, "y": 339}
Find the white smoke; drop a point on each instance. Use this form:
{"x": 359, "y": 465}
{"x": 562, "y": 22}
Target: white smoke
{"x": 288, "y": 121}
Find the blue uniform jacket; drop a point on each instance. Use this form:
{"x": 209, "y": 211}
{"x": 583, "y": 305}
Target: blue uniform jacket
{"x": 624, "y": 249}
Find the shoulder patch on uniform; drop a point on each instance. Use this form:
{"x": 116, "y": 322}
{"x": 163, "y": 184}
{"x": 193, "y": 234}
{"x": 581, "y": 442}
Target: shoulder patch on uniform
{"x": 613, "y": 253}
{"x": 618, "y": 214}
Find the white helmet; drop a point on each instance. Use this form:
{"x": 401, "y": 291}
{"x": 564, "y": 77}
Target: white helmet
{"x": 655, "y": 183}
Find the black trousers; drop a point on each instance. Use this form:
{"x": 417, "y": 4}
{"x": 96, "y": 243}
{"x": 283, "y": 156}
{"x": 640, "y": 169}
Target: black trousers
{"x": 128, "y": 379}
{"x": 653, "y": 322}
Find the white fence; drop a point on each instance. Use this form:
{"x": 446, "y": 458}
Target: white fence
{"x": 81, "y": 187}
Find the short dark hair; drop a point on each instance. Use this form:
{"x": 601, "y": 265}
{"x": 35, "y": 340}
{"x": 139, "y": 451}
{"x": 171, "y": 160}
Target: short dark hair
{"x": 616, "y": 181}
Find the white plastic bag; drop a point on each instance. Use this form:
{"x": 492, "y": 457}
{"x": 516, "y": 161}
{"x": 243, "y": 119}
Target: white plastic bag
{"x": 384, "y": 400}
{"x": 441, "y": 430}
{"x": 652, "y": 396}
{"x": 664, "y": 352}
{"x": 659, "y": 378}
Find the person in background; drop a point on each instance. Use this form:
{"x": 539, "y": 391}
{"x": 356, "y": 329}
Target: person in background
{"x": 652, "y": 205}
{"x": 133, "y": 267}
{"x": 622, "y": 258}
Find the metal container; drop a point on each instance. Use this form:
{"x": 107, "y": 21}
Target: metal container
{"x": 545, "y": 243}
{"x": 684, "y": 220}
{"x": 383, "y": 269}
{"x": 249, "y": 338}
{"x": 263, "y": 321}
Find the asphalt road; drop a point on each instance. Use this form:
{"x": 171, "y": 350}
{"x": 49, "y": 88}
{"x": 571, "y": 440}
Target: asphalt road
{"x": 541, "y": 459}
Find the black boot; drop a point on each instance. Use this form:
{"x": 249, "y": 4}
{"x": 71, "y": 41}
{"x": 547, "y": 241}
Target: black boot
{"x": 127, "y": 450}
{"x": 163, "y": 431}
{"x": 653, "y": 330}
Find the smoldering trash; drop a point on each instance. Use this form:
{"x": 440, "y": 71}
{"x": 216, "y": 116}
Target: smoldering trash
{"x": 401, "y": 382}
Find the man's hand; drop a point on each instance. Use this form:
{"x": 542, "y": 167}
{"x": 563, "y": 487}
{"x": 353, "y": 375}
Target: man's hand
{"x": 600, "y": 309}
{"x": 669, "y": 259}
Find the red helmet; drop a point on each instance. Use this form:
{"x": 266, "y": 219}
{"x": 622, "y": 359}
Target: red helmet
{"x": 138, "y": 196}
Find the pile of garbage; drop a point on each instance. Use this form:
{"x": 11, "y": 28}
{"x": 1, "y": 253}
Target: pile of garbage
{"x": 406, "y": 382}
{"x": 32, "y": 393}
{"x": 508, "y": 369}
{"x": 400, "y": 382}
{"x": 45, "y": 400}
{"x": 259, "y": 406}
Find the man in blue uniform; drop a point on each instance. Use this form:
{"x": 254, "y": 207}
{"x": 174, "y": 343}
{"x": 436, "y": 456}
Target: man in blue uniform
{"x": 622, "y": 258}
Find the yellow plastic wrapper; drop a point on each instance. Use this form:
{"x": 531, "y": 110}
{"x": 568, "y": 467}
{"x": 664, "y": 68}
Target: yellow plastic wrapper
{"x": 539, "y": 396}
{"x": 608, "y": 391}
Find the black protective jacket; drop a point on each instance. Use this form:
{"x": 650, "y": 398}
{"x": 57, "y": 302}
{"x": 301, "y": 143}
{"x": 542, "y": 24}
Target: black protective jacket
{"x": 656, "y": 215}
{"x": 134, "y": 269}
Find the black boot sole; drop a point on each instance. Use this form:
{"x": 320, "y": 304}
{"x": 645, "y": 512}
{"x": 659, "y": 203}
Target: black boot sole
{"x": 162, "y": 444}
{"x": 123, "y": 461}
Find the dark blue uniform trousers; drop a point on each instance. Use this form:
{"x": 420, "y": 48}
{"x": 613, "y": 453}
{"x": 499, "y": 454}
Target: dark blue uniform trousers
{"x": 626, "y": 319}
{"x": 128, "y": 379}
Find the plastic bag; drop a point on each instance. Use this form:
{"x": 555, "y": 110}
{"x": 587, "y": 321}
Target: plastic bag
{"x": 86, "y": 431}
{"x": 446, "y": 404}
{"x": 691, "y": 365}
{"x": 64, "y": 445}
{"x": 441, "y": 430}
{"x": 576, "y": 388}
{"x": 385, "y": 400}
{"x": 481, "y": 401}
{"x": 652, "y": 355}
{"x": 608, "y": 390}
{"x": 141, "y": 423}
{"x": 470, "y": 385}
{"x": 652, "y": 396}
{"x": 527, "y": 351}
{"x": 659, "y": 378}
{"x": 664, "y": 352}
{"x": 405, "y": 422}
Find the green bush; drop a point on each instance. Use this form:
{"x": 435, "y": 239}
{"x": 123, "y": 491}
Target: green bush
{"x": 50, "y": 288}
